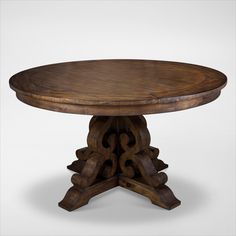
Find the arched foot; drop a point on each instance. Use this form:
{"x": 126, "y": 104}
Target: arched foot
{"x": 76, "y": 197}
{"x": 161, "y": 196}
{"x": 164, "y": 197}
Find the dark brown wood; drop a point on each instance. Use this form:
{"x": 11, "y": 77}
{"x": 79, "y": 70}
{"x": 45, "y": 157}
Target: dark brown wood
{"x": 118, "y": 87}
{"x": 118, "y": 93}
{"x": 76, "y": 197}
{"x": 161, "y": 196}
{"x": 118, "y": 149}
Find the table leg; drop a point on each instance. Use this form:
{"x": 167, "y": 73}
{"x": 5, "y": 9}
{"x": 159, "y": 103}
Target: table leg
{"x": 96, "y": 166}
{"x": 118, "y": 153}
{"x": 140, "y": 168}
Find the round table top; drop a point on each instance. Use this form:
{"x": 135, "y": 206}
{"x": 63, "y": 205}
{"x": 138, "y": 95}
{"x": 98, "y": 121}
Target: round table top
{"x": 118, "y": 87}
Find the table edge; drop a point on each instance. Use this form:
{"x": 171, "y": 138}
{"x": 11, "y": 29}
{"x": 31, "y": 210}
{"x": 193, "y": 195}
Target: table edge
{"x": 152, "y": 100}
{"x": 185, "y": 102}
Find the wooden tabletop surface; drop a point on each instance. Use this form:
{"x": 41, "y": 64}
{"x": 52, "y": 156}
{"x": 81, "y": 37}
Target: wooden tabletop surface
{"x": 118, "y": 87}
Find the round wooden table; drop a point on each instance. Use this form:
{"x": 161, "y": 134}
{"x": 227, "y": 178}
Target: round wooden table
{"x": 118, "y": 93}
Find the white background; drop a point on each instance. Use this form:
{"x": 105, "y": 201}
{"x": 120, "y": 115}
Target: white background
{"x": 198, "y": 144}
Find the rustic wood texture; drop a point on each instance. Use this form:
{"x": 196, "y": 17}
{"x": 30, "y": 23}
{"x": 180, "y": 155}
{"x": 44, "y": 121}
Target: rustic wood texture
{"x": 118, "y": 153}
{"x": 76, "y": 197}
{"x": 161, "y": 195}
{"x": 118, "y": 87}
{"x": 118, "y": 92}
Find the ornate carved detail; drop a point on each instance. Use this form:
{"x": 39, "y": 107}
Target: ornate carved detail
{"x": 133, "y": 139}
{"x": 99, "y": 158}
{"x": 95, "y": 162}
{"x": 138, "y": 157}
{"x": 126, "y": 139}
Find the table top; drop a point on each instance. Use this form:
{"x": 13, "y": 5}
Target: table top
{"x": 118, "y": 87}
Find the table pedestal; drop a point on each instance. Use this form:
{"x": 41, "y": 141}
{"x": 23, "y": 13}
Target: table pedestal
{"x": 118, "y": 154}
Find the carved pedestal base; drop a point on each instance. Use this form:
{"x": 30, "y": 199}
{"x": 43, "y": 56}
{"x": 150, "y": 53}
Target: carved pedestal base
{"x": 118, "y": 154}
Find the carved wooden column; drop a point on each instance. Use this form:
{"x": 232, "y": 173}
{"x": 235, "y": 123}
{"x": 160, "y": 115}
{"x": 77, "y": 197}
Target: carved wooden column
{"x": 140, "y": 167}
{"x": 118, "y": 153}
{"x": 96, "y": 166}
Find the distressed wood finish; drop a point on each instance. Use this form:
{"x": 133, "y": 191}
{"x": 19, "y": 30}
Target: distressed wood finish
{"x": 118, "y": 93}
{"x": 118, "y": 87}
{"x": 118, "y": 153}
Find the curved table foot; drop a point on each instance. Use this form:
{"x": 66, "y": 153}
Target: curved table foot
{"x": 161, "y": 196}
{"x": 76, "y": 197}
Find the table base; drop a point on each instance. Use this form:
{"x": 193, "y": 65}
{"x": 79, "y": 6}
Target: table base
{"x": 118, "y": 154}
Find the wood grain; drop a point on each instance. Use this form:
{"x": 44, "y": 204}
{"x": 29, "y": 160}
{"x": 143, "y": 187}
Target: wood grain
{"x": 118, "y": 153}
{"x": 118, "y": 87}
{"x": 118, "y": 93}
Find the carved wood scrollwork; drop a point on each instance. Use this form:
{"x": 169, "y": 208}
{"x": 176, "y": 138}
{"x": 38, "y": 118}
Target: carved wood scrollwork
{"x": 98, "y": 159}
{"x": 132, "y": 141}
{"x": 138, "y": 157}
{"x": 118, "y": 153}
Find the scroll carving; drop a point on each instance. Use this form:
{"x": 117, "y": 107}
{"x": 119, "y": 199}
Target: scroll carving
{"x": 138, "y": 157}
{"x": 118, "y": 153}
